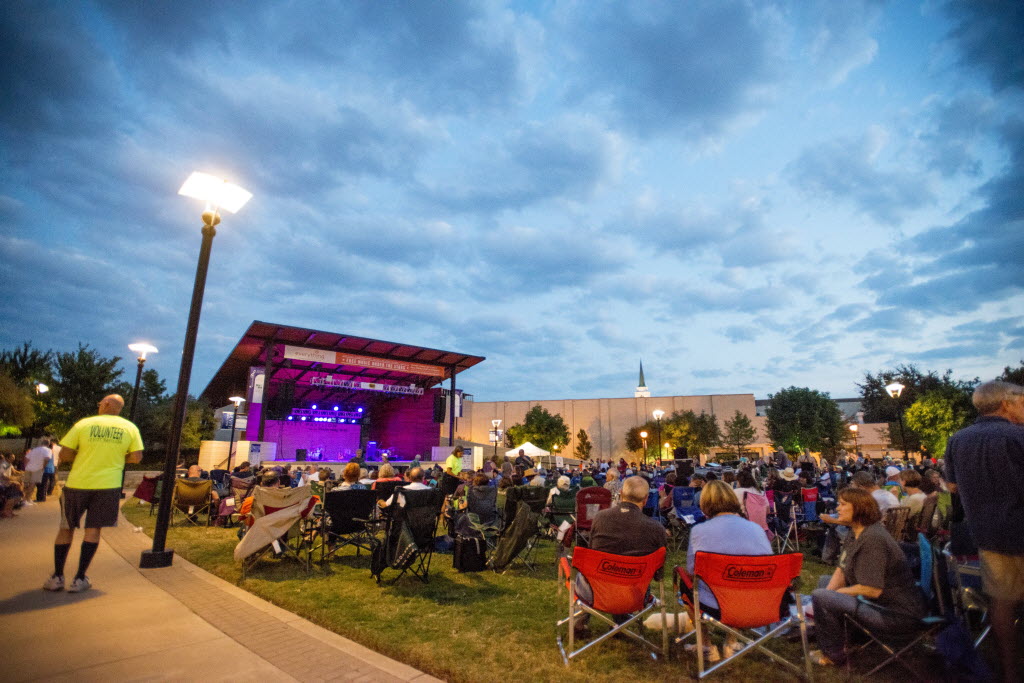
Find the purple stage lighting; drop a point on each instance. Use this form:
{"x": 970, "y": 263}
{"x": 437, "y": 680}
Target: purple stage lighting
{"x": 335, "y": 407}
{"x": 359, "y": 410}
{"x": 314, "y": 406}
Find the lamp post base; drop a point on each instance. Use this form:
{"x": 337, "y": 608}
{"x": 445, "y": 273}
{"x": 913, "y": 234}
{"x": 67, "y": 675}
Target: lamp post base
{"x": 156, "y": 560}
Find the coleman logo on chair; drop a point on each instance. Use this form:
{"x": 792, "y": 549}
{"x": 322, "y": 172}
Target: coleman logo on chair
{"x": 623, "y": 569}
{"x": 740, "y": 572}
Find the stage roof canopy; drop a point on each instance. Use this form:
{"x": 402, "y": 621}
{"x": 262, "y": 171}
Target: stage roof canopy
{"x": 344, "y": 357}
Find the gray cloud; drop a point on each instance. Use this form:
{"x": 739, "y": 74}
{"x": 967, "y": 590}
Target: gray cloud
{"x": 988, "y": 37}
{"x": 848, "y": 170}
{"x": 668, "y": 66}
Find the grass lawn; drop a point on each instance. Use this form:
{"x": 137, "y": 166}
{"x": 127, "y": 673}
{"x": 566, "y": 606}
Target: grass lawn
{"x": 467, "y": 627}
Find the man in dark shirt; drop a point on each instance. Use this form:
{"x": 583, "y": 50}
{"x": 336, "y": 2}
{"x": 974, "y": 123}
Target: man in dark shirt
{"x": 985, "y": 466}
{"x": 622, "y": 529}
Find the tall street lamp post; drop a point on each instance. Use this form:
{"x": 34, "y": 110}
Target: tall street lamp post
{"x": 643, "y": 439}
{"x": 895, "y": 389}
{"x": 141, "y": 349}
{"x": 856, "y": 444}
{"x": 237, "y": 400}
{"x": 495, "y": 436}
{"x": 658, "y": 414}
{"x": 218, "y": 194}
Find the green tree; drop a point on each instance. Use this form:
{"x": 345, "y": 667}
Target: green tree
{"x": 878, "y": 406}
{"x": 739, "y": 433}
{"x": 1015, "y": 375}
{"x": 152, "y": 394}
{"x": 937, "y": 415}
{"x": 17, "y": 411}
{"x": 698, "y": 433}
{"x": 540, "y": 428}
{"x": 801, "y": 418}
{"x": 27, "y": 367}
{"x": 583, "y": 445}
{"x": 83, "y": 377}
{"x": 197, "y": 426}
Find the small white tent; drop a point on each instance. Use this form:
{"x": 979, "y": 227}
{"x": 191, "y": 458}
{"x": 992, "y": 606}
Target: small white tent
{"x": 529, "y": 449}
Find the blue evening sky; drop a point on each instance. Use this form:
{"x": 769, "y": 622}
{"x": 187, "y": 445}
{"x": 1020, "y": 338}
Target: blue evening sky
{"x": 746, "y": 195}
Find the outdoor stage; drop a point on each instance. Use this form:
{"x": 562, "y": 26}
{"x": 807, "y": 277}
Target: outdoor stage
{"x": 314, "y": 397}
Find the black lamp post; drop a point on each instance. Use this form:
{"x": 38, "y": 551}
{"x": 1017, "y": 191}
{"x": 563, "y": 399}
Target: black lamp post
{"x": 643, "y": 440}
{"x": 495, "y": 436}
{"x": 658, "y": 414}
{"x": 895, "y": 389}
{"x": 217, "y": 194}
{"x": 142, "y": 350}
{"x": 237, "y": 400}
{"x": 856, "y": 443}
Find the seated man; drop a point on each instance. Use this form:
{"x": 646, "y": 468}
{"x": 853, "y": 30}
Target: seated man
{"x": 910, "y": 482}
{"x": 622, "y": 529}
{"x": 195, "y": 473}
{"x": 414, "y": 475}
{"x": 865, "y": 481}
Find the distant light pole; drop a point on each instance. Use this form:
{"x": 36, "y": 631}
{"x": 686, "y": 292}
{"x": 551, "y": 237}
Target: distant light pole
{"x": 895, "y": 390}
{"x": 218, "y": 194}
{"x": 141, "y": 349}
{"x": 495, "y": 436}
{"x": 658, "y": 414}
{"x": 237, "y": 400}
{"x": 643, "y": 438}
{"x": 856, "y": 444}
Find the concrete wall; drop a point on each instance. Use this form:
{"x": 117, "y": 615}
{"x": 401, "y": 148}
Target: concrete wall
{"x": 606, "y": 420}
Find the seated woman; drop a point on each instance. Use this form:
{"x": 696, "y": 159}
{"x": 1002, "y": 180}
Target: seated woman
{"x": 385, "y": 473}
{"x": 872, "y": 564}
{"x": 726, "y": 532}
{"x": 613, "y": 483}
{"x": 745, "y": 484}
{"x": 350, "y": 477}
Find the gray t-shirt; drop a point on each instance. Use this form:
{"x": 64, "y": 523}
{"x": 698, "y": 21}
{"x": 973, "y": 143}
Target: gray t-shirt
{"x": 875, "y": 559}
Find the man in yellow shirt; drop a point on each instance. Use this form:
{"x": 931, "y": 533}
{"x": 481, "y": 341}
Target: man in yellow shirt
{"x": 99, "y": 446}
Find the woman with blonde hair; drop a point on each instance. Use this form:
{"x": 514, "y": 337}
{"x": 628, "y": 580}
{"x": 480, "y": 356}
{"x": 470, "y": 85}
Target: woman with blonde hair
{"x": 385, "y": 473}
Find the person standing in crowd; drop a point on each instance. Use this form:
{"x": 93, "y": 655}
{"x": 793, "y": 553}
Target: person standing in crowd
{"x": 453, "y": 463}
{"x": 985, "y": 466}
{"x": 99, "y": 446}
{"x": 523, "y": 462}
{"x": 35, "y": 464}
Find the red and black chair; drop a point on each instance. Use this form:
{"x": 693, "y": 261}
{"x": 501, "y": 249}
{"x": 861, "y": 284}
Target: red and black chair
{"x": 620, "y": 585}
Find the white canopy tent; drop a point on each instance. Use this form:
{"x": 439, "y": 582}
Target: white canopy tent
{"x": 529, "y": 449}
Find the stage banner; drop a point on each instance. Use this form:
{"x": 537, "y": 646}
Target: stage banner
{"x": 342, "y": 358}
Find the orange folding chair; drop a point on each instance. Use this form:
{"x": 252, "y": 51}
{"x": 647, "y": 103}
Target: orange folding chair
{"x": 750, "y": 590}
{"x": 589, "y": 502}
{"x": 620, "y": 585}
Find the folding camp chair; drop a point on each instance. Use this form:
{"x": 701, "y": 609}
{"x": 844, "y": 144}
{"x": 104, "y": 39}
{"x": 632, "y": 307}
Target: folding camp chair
{"x": 809, "y": 498}
{"x": 927, "y": 626}
{"x": 562, "y": 509}
{"x": 756, "y": 506}
{"x": 275, "y": 523}
{"x": 968, "y": 599}
{"x": 783, "y": 521}
{"x": 687, "y": 514}
{"x": 651, "y": 508}
{"x": 480, "y": 519}
{"x": 146, "y": 490}
{"x": 750, "y": 590}
{"x": 589, "y": 502}
{"x": 924, "y": 521}
{"x": 408, "y": 543}
{"x": 192, "y": 497}
{"x": 347, "y": 521}
{"x": 524, "y": 506}
{"x": 240, "y": 490}
{"x": 895, "y": 521}
{"x": 619, "y": 585}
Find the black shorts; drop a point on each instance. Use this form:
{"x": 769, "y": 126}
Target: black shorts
{"x": 102, "y": 506}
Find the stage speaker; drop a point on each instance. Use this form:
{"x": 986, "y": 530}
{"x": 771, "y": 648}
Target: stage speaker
{"x": 684, "y": 468}
{"x": 439, "y": 408}
{"x": 680, "y": 453}
{"x": 300, "y": 454}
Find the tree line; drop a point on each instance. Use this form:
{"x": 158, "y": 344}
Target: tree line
{"x": 933, "y": 406}
{"x": 75, "y": 382}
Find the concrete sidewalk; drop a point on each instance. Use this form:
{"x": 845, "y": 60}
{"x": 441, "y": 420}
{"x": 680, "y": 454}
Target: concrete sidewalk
{"x": 172, "y": 624}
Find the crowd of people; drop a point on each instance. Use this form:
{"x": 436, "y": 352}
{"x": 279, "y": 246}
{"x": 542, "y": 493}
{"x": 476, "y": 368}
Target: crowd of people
{"x": 981, "y": 482}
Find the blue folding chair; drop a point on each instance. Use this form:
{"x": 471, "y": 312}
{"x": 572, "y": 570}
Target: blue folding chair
{"x": 688, "y": 514}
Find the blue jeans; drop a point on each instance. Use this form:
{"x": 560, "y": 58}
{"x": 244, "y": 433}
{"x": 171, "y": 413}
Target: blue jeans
{"x": 830, "y": 609}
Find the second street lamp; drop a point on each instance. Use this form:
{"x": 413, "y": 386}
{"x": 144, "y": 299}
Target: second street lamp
{"x": 495, "y": 436}
{"x": 141, "y": 349}
{"x": 896, "y": 390}
{"x": 856, "y": 445}
{"x": 643, "y": 439}
{"x": 237, "y": 400}
{"x": 218, "y": 194}
{"x": 658, "y": 414}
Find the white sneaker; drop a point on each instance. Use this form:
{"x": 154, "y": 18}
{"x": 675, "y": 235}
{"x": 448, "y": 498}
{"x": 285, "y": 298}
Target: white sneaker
{"x": 79, "y": 585}
{"x": 54, "y": 583}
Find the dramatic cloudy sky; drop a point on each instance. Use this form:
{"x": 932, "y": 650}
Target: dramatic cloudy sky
{"x": 746, "y": 195}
